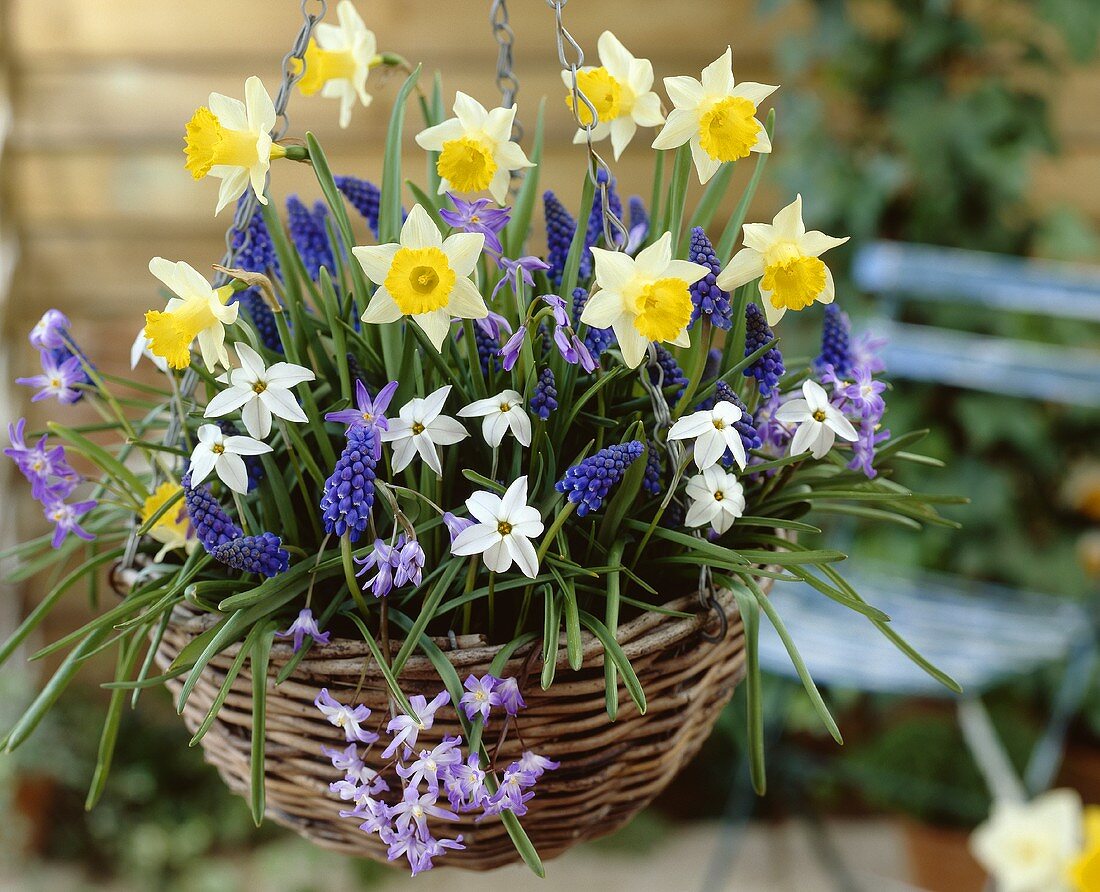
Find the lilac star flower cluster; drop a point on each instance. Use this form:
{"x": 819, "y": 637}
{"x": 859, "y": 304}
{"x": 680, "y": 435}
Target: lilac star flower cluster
{"x": 856, "y": 392}
{"x": 364, "y": 196}
{"x": 708, "y": 301}
{"x": 307, "y": 231}
{"x": 478, "y": 216}
{"x": 63, "y": 371}
{"x": 47, "y": 470}
{"x": 396, "y": 565}
{"x": 417, "y": 786}
{"x": 587, "y": 483}
{"x": 572, "y": 349}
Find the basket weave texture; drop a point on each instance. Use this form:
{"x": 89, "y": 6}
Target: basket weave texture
{"x": 609, "y": 771}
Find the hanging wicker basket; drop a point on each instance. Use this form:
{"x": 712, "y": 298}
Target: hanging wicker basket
{"x": 609, "y": 770}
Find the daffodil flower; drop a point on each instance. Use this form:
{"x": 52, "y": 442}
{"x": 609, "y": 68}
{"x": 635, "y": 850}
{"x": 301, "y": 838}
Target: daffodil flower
{"x": 787, "y": 260}
{"x": 620, "y": 89}
{"x": 643, "y": 298}
{"x": 424, "y": 277}
{"x": 198, "y": 311}
{"x": 173, "y": 528}
{"x": 338, "y": 60}
{"x": 475, "y": 148}
{"x": 231, "y": 140}
{"x": 715, "y": 116}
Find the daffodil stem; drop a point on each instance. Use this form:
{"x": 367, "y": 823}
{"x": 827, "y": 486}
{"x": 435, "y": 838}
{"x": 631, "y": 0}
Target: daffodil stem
{"x": 698, "y": 365}
{"x": 296, "y": 153}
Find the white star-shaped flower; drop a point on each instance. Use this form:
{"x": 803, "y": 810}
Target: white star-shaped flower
{"x": 717, "y": 498}
{"x": 714, "y": 432}
{"x": 504, "y": 529}
{"x": 819, "y": 421}
{"x": 501, "y": 413}
{"x": 221, "y": 454}
{"x": 419, "y": 428}
{"x": 260, "y": 392}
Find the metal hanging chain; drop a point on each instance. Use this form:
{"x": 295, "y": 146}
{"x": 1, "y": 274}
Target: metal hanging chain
{"x": 237, "y": 235}
{"x": 506, "y": 79}
{"x": 615, "y": 233}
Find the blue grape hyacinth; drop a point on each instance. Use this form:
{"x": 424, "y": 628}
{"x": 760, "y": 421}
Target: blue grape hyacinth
{"x": 544, "y": 401}
{"x": 349, "y": 491}
{"x": 708, "y": 301}
{"x": 263, "y": 554}
{"x": 836, "y": 336}
{"x": 364, "y": 196}
{"x": 768, "y": 369}
{"x": 560, "y": 228}
{"x": 307, "y": 231}
{"x": 587, "y": 483}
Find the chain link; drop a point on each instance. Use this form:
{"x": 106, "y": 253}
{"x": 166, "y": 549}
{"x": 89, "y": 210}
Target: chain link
{"x": 506, "y": 79}
{"x": 615, "y": 233}
{"x": 237, "y": 235}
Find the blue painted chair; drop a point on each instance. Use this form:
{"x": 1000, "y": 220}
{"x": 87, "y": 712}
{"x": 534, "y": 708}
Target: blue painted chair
{"x": 982, "y": 635}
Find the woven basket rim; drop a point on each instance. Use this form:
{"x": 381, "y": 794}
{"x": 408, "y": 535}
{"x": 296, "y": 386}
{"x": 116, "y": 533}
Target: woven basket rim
{"x": 652, "y": 630}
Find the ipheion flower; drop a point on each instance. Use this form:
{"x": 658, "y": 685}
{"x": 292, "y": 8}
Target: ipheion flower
{"x": 819, "y": 421}
{"x": 787, "y": 260}
{"x": 715, "y": 116}
{"x": 504, "y": 529}
{"x": 500, "y": 414}
{"x": 221, "y": 454}
{"x": 714, "y": 431}
{"x": 260, "y": 392}
{"x": 424, "y": 277}
{"x": 475, "y": 148}
{"x": 420, "y": 428}
{"x": 717, "y": 498}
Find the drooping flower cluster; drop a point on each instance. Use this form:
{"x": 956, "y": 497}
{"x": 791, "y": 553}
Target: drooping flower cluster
{"x": 411, "y": 789}
{"x": 64, "y": 376}
{"x": 544, "y": 401}
{"x": 587, "y": 484}
{"x": 395, "y": 565}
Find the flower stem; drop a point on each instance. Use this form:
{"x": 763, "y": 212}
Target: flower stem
{"x": 559, "y": 520}
{"x": 349, "y": 576}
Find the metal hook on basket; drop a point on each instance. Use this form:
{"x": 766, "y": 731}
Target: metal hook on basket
{"x": 712, "y": 603}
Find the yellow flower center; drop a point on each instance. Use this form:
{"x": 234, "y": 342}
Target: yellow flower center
{"x": 794, "y": 282}
{"x": 172, "y": 331}
{"x": 603, "y": 91}
{"x": 417, "y": 429}
{"x": 662, "y": 309}
{"x": 504, "y": 528}
{"x": 467, "y": 164}
{"x": 819, "y": 415}
{"x": 505, "y": 407}
{"x": 207, "y": 142}
{"x": 217, "y": 449}
{"x": 719, "y": 495}
{"x": 323, "y": 66}
{"x": 728, "y": 130}
{"x": 420, "y": 280}
{"x": 719, "y": 424}
{"x": 259, "y": 387}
